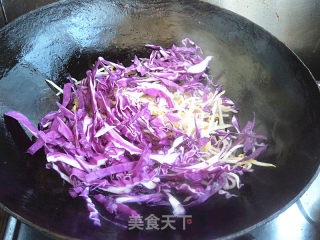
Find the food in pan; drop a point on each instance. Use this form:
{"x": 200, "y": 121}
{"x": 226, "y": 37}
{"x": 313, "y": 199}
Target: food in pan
{"x": 152, "y": 133}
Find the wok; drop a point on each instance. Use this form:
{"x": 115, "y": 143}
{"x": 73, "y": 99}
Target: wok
{"x": 258, "y": 72}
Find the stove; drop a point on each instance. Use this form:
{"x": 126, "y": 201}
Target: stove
{"x": 294, "y": 22}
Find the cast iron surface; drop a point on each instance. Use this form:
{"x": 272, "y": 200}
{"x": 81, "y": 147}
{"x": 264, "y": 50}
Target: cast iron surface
{"x": 15, "y": 8}
{"x": 258, "y": 72}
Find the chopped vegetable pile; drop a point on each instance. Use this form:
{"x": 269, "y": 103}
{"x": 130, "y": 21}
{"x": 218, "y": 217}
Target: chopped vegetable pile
{"x": 151, "y": 133}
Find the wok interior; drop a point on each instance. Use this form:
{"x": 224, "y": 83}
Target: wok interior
{"x": 258, "y": 72}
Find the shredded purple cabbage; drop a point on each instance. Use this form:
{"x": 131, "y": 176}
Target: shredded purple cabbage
{"x": 153, "y": 125}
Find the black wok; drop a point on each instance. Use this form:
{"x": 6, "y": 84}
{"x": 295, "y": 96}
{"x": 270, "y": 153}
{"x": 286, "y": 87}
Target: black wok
{"x": 258, "y": 72}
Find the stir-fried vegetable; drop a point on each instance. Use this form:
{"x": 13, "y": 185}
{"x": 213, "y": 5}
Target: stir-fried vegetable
{"x": 155, "y": 126}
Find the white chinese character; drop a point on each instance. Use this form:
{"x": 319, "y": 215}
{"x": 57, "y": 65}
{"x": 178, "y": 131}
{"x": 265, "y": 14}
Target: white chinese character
{"x": 167, "y": 221}
{"x": 189, "y": 220}
{"x": 152, "y": 222}
{"x": 135, "y": 221}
